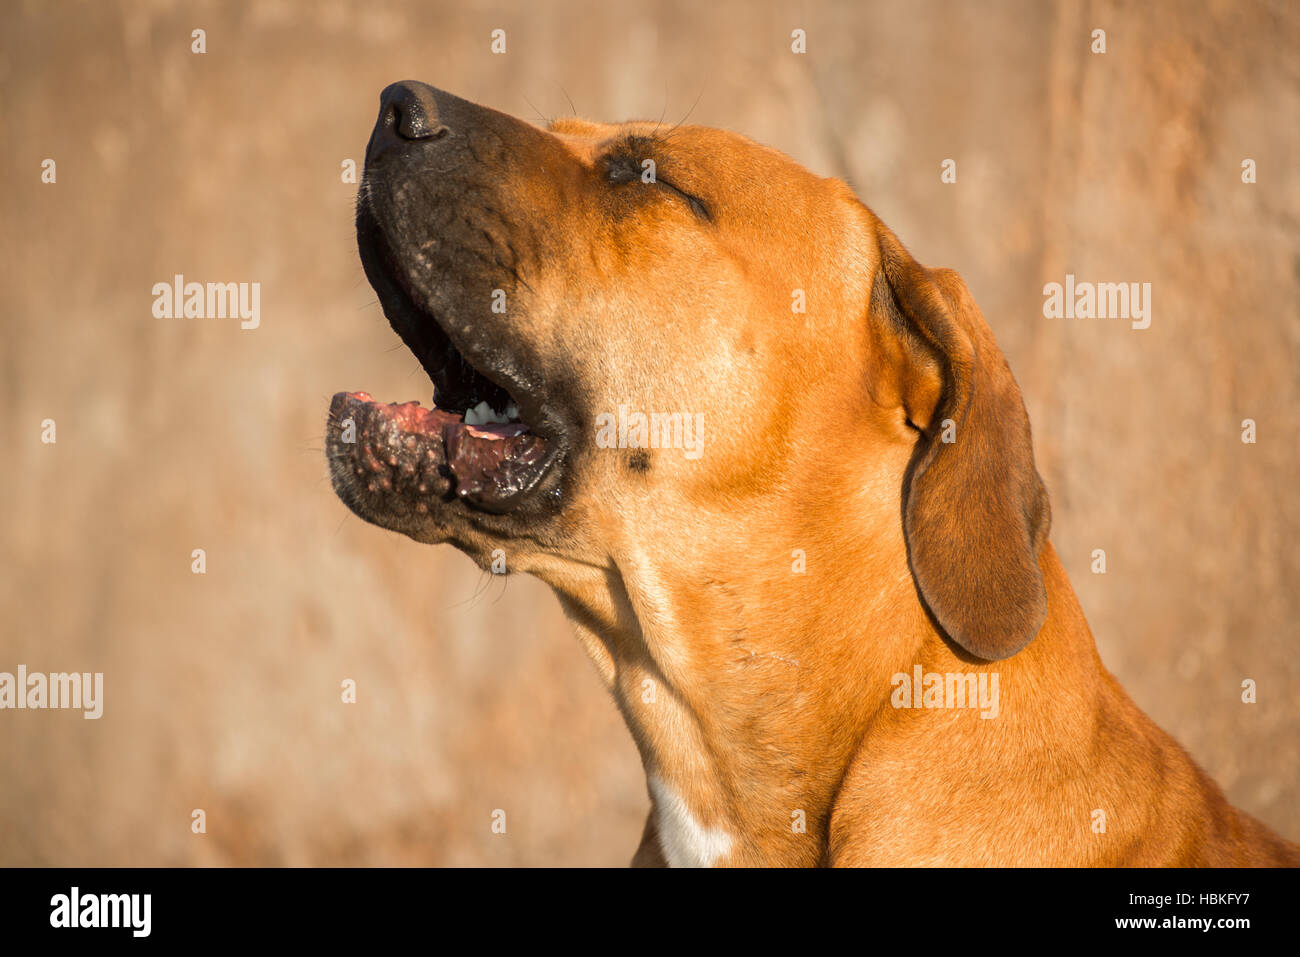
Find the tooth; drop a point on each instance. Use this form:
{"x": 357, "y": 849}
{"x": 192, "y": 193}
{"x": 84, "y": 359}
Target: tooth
{"x": 484, "y": 414}
{"x": 512, "y": 412}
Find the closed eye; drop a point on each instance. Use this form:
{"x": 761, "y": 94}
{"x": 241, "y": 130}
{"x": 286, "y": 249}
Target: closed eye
{"x": 696, "y": 204}
{"x": 625, "y": 169}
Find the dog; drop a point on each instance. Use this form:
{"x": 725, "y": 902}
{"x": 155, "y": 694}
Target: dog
{"x": 782, "y": 481}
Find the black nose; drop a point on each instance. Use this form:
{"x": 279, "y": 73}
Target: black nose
{"x": 411, "y": 111}
{"x": 408, "y": 112}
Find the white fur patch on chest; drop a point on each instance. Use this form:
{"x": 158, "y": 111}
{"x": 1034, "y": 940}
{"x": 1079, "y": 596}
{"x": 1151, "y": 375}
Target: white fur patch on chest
{"x": 685, "y": 842}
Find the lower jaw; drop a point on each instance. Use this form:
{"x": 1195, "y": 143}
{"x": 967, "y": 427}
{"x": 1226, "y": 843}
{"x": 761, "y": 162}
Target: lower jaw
{"x": 417, "y": 457}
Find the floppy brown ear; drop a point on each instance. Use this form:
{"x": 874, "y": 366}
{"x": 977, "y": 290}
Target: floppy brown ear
{"x": 975, "y": 512}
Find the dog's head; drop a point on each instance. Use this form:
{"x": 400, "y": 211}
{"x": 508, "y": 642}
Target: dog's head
{"x": 639, "y": 336}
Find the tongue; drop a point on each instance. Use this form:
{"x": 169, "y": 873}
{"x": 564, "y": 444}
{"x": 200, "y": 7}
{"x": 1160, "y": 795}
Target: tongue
{"x": 495, "y": 430}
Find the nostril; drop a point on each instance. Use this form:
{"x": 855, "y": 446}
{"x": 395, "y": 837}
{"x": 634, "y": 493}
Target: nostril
{"x": 411, "y": 113}
{"x": 414, "y": 125}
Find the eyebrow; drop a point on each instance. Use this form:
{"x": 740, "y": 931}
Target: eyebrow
{"x": 637, "y": 145}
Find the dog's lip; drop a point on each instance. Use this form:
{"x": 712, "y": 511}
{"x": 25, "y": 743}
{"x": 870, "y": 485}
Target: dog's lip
{"x": 400, "y": 445}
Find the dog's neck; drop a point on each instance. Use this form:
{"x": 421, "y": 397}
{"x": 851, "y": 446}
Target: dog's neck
{"x": 746, "y": 731}
{"x": 752, "y": 740}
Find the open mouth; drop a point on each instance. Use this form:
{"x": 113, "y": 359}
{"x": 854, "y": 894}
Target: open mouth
{"x": 473, "y": 444}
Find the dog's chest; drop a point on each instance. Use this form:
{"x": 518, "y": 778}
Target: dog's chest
{"x": 683, "y": 839}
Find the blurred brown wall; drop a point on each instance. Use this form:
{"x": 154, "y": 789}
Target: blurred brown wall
{"x": 222, "y": 690}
